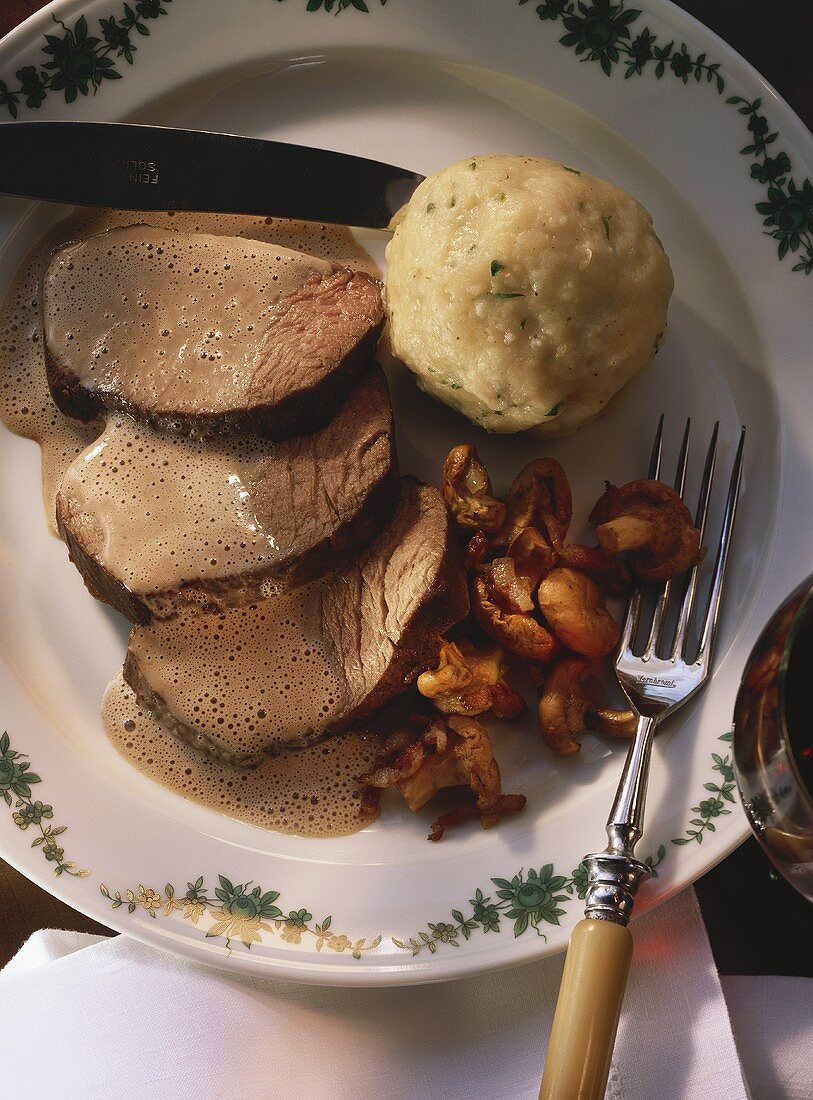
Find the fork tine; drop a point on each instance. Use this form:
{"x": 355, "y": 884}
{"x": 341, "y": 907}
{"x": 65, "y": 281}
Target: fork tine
{"x": 659, "y": 614}
{"x": 680, "y": 472}
{"x": 690, "y": 592}
{"x": 630, "y": 624}
{"x": 630, "y": 620}
{"x": 657, "y": 451}
{"x": 718, "y": 578}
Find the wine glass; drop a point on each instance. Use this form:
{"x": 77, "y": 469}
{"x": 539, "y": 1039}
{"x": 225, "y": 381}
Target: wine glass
{"x": 773, "y": 739}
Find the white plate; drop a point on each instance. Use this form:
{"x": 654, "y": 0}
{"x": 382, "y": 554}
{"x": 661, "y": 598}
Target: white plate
{"x": 421, "y": 84}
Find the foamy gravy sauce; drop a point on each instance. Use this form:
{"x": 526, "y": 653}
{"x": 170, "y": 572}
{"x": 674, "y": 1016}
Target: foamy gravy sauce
{"x": 310, "y": 791}
{"x": 247, "y": 680}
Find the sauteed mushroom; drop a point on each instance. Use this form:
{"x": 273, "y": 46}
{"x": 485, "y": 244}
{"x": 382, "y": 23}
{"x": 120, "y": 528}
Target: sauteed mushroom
{"x": 650, "y": 521}
{"x": 574, "y": 610}
{"x": 567, "y": 706}
{"x": 610, "y": 573}
{"x": 469, "y": 681}
{"x": 467, "y": 491}
{"x": 456, "y": 752}
{"x": 513, "y": 592}
{"x": 539, "y": 497}
{"x": 615, "y": 723}
{"x": 532, "y": 555}
{"x": 517, "y": 631}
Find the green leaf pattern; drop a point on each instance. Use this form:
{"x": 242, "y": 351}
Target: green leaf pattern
{"x": 529, "y": 900}
{"x": 709, "y": 809}
{"x": 78, "y": 62}
{"x": 16, "y": 781}
{"x": 246, "y": 913}
{"x": 338, "y": 6}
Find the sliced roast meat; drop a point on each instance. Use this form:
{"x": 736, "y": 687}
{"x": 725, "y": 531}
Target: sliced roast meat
{"x": 296, "y": 667}
{"x": 189, "y": 329}
{"x": 157, "y": 522}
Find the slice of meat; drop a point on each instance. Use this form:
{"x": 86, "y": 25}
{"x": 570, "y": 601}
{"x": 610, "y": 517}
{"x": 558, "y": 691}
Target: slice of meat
{"x": 188, "y": 329}
{"x": 156, "y": 522}
{"x": 299, "y": 666}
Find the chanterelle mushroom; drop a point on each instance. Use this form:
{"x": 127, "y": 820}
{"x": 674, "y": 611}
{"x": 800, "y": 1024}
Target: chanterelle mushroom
{"x": 532, "y": 555}
{"x": 648, "y": 520}
{"x": 470, "y": 681}
{"x": 567, "y": 706}
{"x": 518, "y": 632}
{"x": 574, "y": 610}
{"x": 454, "y": 753}
{"x": 467, "y": 491}
{"x": 539, "y": 497}
{"x": 611, "y": 574}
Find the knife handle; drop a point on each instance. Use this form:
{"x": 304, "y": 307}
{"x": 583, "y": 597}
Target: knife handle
{"x": 587, "y": 1011}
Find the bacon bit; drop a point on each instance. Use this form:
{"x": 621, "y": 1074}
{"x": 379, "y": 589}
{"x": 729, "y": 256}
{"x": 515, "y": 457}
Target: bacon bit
{"x": 370, "y": 799}
{"x": 505, "y": 804}
{"x": 476, "y": 551}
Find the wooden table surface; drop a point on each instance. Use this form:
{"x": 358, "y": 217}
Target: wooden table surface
{"x": 773, "y": 936}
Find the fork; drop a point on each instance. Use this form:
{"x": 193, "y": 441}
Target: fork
{"x": 656, "y": 685}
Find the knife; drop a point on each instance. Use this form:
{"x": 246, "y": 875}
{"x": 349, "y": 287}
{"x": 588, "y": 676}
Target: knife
{"x": 133, "y": 167}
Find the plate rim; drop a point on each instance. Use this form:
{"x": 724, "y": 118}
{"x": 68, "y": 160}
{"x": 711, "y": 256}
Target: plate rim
{"x": 446, "y": 967}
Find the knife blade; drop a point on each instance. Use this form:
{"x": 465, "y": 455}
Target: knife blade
{"x": 134, "y": 167}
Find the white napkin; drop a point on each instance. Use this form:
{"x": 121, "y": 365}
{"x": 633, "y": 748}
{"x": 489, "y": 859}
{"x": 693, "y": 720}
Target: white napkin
{"x": 772, "y": 1020}
{"x": 86, "y": 1017}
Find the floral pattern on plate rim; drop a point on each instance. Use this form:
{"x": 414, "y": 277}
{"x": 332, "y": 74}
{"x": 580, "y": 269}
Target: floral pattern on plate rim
{"x": 600, "y": 32}
{"x": 244, "y": 911}
{"x": 16, "y": 781}
{"x": 237, "y": 912}
{"x": 77, "y": 61}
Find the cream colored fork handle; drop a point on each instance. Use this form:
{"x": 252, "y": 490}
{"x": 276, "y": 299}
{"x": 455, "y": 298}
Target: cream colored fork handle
{"x": 586, "y": 1019}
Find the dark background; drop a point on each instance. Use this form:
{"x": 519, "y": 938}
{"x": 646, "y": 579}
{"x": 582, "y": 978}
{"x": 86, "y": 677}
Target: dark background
{"x": 756, "y": 923}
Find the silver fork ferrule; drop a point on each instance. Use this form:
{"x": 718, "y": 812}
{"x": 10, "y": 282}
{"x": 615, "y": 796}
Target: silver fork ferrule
{"x": 614, "y": 875}
{"x": 613, "y": 883}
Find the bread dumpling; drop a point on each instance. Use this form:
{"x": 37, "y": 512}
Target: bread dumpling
{"x": 524, "y": 293}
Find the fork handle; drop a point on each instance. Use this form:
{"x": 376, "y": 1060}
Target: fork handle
{"x": 587, "y": 1011}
